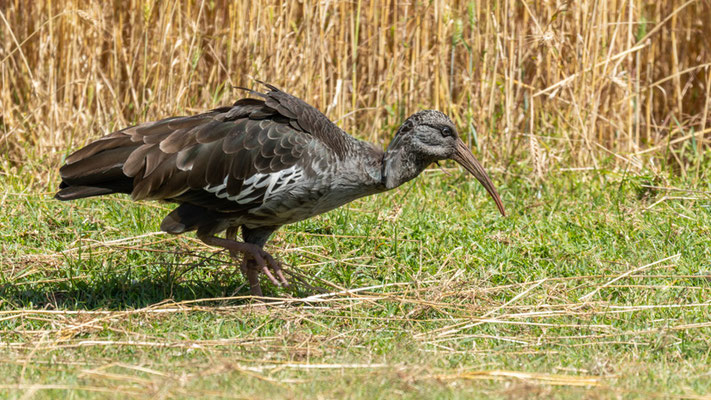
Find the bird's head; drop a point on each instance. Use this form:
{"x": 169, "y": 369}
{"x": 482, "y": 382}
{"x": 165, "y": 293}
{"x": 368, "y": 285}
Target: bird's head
{"x": 425, "y": 137}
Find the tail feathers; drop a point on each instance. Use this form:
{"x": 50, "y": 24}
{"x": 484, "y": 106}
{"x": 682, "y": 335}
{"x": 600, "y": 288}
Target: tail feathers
{"x": 114, "y": 140}
{"x": 79, "y": 192}
{"x": 97, "y": 174}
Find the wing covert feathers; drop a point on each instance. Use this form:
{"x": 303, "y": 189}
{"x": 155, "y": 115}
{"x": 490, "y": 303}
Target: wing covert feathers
{"x": 225, "y": 160}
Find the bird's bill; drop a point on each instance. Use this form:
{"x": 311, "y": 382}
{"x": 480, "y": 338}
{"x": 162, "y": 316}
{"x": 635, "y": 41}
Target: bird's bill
{"x": 466, "y": 159}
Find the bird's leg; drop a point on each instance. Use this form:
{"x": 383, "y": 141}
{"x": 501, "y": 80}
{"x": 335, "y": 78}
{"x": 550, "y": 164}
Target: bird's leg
{"x": 253, "y": 254}
{"x": 247, "y": 267}
{"x": 250, "y": 272}
{"x": 231, "y": 234}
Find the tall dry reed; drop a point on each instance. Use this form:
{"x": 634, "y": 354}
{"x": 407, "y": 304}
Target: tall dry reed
{"x": 547, "y": 82}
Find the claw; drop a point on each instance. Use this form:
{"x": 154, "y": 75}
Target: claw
{"x": 264, "y": 261}
{"x": 269, "y": 275}
{"x": 284, "y": 282}
{"x": 276, "y": 267}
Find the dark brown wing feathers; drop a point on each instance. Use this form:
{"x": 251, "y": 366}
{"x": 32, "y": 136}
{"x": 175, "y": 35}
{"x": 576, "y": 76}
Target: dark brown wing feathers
{"x": 176, "y": 158}
{"x": 306, "y": 118}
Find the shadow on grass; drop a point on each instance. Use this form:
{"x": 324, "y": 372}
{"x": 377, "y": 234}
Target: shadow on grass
{"x": 116, "y": 294}
{"x": 136, "y": 288}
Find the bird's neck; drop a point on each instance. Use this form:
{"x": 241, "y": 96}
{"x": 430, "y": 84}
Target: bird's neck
{"x": 400, "y": 164}
{"x": 386, "y": 170}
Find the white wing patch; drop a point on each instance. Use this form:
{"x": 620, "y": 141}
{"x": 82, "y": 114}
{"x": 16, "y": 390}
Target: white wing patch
{"x": 274, "y": 182}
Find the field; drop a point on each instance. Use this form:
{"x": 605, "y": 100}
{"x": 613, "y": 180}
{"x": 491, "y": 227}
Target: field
{"x": 596, "y": 281}
{"x": 591, "y": 117}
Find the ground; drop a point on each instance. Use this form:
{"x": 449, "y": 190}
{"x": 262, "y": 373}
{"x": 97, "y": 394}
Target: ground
{"x": 596, "y": 285}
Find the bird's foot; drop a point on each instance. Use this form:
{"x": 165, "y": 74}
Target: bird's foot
{"x": 255, "y": 260}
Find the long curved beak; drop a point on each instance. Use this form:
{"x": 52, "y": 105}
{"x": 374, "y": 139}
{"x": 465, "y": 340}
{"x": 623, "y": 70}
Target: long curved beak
{"x": 466, "y": 159}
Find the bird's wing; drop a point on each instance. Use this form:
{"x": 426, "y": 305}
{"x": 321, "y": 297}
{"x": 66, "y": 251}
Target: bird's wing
{"x": 228, "y": 160}
{"x": 306, "y": 118}
{"x": 224, "y": 160}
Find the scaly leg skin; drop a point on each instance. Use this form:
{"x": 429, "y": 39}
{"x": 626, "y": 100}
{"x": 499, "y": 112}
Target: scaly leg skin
{"x": 248, "y": 268}
{"x": 255, "y": 260}
{"x": 250, "y": 271}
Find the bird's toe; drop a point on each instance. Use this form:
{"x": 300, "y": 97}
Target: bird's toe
{"x": 264, "y": 262}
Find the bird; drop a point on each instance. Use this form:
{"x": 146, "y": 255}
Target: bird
{"x": 264, "y": 162}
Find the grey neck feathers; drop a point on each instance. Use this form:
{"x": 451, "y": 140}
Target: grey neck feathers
{"x": 400, "y": 164}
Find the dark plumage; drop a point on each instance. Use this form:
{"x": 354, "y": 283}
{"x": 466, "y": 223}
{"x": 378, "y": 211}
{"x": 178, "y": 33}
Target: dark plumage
{"x": 255, "y": 166}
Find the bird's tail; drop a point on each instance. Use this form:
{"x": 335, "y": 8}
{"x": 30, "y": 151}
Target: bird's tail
{"x": 97, "y": 169}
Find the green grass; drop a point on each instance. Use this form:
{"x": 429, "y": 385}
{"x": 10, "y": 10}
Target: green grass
{"x": 465, "y": 303}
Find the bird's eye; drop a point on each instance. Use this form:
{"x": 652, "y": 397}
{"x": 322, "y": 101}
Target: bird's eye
{"x": 447, "y": 131}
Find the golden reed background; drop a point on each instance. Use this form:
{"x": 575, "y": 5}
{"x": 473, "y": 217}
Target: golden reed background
{"x": 553, "y": 83}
